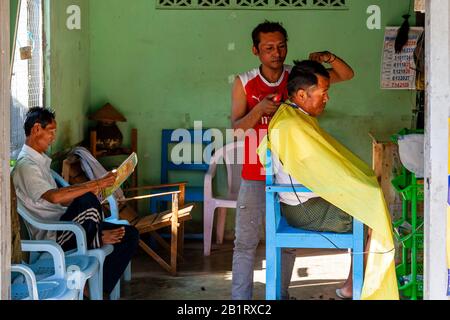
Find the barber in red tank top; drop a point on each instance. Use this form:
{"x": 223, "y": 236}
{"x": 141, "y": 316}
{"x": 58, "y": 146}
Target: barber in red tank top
{"x": 256, "y": 88}
{"x": 256, "y": 95}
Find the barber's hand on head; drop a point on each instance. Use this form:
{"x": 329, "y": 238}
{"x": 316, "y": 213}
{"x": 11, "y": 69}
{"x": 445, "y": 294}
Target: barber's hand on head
{"x": 107, "y": 180}
{"x": 322, "y": 56}
{"x": 269, "y": 104}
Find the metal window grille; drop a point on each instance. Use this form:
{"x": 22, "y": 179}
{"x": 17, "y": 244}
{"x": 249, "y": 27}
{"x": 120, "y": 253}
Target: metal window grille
{"x": 252, "y": 4}
{"x": 27, "y": 79}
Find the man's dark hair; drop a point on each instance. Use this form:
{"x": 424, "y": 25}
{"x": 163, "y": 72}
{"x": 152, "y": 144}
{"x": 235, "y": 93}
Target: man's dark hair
{"x": 304, "y": 75}
{"x": 266, "y": 27}
{"x": 43, "y": 116}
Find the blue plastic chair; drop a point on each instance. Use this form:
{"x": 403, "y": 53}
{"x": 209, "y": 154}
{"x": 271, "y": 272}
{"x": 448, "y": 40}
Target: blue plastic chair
{"x": 43, "y": 265}
{"x": 87, "y": 261}
{"x": 171, "y": 136}
{"x": 53, "y": 287}
{"x": 107, "y": 249}
{"x": 280, "y": 235}
{"x": 87, "y": 267}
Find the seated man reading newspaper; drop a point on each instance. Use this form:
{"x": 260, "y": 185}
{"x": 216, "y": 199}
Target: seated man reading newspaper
{"x": 38, "y": 192}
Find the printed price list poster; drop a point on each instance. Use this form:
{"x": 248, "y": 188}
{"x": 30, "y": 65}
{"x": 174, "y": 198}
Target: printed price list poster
{"x": 398, "y": 69}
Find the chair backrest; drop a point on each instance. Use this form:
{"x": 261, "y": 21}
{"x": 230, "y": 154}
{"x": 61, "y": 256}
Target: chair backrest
{"x": 233, "y": 156}
{"x": 59, "y": 180}
{"x": 272, "y": 222}
{"x": 25, "y": 220}
{"x": 16, "y": 229}
{"x": 23, "y": 230}
{"x": 172, "y": 136}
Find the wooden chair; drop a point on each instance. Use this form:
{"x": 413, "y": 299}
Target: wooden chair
{"x": 201, "y": 138}
{"x": 175, "y": 217}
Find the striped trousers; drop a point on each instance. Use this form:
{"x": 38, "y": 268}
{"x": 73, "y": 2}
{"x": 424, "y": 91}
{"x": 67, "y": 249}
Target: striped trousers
{"x": 87, "y": 211}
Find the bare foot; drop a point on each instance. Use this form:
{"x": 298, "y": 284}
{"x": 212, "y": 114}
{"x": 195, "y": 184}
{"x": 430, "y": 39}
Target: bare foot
{"x": 86, "y": 291}
{"x": 113, "y": 236}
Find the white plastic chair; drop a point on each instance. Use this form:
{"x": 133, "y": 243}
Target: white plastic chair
{"x": 232, "y": 155}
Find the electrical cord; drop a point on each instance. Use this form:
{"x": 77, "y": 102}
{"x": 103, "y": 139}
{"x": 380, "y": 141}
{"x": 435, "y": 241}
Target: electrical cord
{"x": 309, "y": 213}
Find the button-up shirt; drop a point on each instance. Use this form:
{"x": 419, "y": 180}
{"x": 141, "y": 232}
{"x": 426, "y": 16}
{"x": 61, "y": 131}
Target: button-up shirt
{"x": 32, "y": 178}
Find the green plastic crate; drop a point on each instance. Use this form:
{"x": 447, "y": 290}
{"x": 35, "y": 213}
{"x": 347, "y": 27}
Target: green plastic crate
{"x": 408, "y": 242}
{"x": 406, "y": 185}
{"x": 406, "y": 287}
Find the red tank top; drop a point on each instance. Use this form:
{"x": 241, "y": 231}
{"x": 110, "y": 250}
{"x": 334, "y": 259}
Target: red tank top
{"x": 256, "y": 89}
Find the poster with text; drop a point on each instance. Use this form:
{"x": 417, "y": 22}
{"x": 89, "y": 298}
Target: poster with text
{"x": 398, "y": 69}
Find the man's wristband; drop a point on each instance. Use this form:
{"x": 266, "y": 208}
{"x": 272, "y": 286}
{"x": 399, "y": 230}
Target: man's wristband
{"x": 332, "y": 58}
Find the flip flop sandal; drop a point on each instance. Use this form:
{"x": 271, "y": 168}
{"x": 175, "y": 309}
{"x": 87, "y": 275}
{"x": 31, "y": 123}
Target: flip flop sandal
{"x": 341, "y": 295}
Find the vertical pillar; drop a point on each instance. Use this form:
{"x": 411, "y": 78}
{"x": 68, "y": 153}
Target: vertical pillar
{"x": 5, "y": 92}
{"x": 436, "y": 147}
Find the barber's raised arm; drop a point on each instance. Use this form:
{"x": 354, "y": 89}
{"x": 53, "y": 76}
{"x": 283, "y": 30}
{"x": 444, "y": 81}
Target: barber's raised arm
{"x": 340, "y": 70}
{"x": 65, "y": 196}
{"x": 240, "y": 117}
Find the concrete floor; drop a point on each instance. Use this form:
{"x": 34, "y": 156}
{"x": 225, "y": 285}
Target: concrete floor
{"x": 317, "y": 273}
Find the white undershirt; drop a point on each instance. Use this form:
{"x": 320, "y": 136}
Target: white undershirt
{"x": 281, "y": 177}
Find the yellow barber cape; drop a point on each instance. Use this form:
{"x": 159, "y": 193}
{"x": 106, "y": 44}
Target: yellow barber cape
{"x": 333, "y": 172}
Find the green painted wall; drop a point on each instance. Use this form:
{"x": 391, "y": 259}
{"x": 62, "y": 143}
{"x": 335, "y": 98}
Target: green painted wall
{"x": 156, "y": 66}
{"x": 67, "y": 74}
{"x": 13, "y": 6}
{"x": 167, "y": 68}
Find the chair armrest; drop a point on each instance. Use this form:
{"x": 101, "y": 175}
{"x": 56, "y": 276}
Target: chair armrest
{"x": 51, "y": 247}
{"x": 151, "y": 187}
{"x": 117, "y": 221}
{"x": 113, "y": 207}
{"x": 207, "y": 182}
{"x": 149, "y": 196}
{"x": 80, "y": 234}
{"x": 30, "y": 279}
{"x": 101, "y": 253}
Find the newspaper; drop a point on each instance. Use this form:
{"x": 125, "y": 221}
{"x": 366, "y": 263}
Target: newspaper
{"x": 123, "y": 172}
